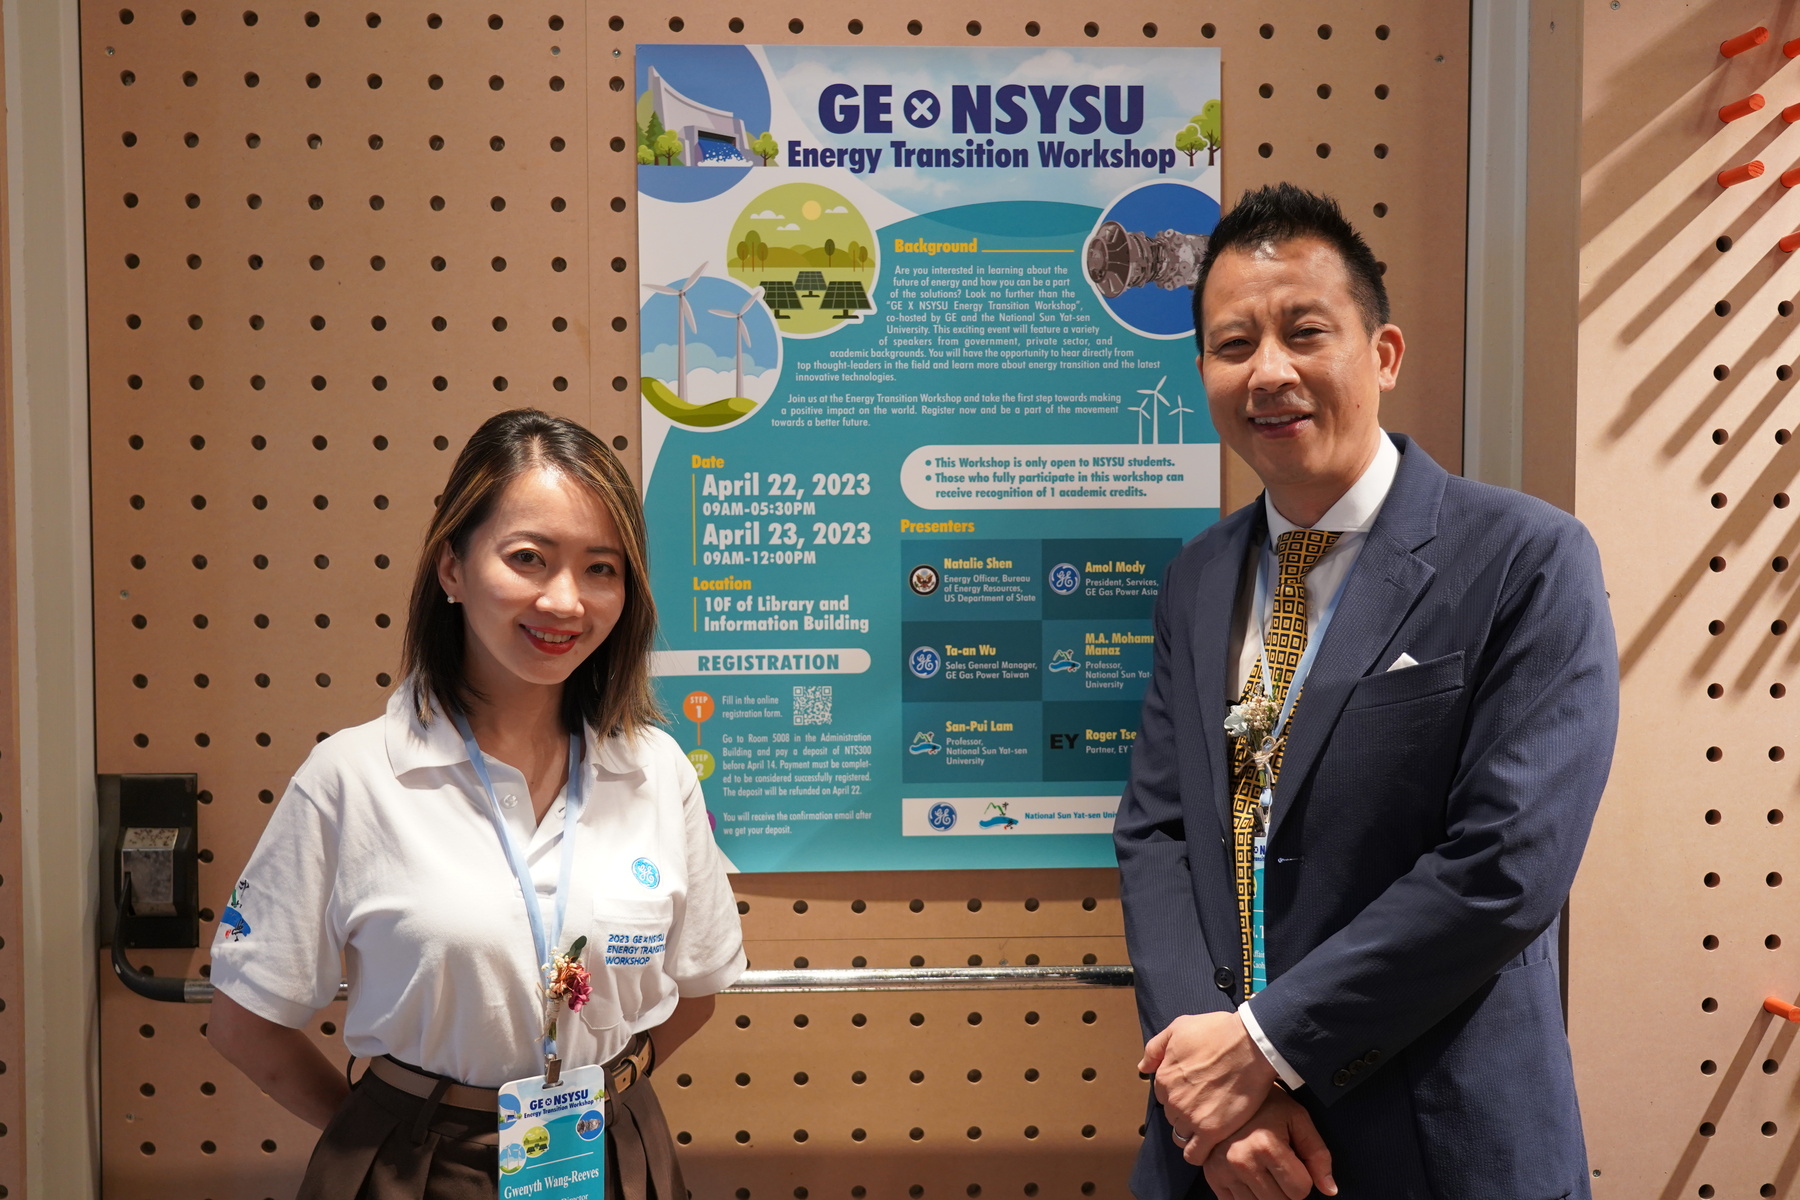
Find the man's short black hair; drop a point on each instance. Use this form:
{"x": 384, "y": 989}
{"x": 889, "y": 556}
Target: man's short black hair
{"x": 1282, "y": 212}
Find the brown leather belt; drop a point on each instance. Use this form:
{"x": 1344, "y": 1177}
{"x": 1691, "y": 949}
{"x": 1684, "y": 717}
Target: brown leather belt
{"x": 631, "y": 1064}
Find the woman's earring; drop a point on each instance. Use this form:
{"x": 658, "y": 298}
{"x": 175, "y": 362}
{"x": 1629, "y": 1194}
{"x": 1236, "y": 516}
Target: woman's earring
{"x": 449, "y": 599}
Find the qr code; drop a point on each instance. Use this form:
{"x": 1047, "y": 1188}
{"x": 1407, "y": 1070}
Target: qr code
{"x": 812, "y": 705}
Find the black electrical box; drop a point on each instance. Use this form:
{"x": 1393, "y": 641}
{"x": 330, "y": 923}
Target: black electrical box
{"x": 148, "y": 829}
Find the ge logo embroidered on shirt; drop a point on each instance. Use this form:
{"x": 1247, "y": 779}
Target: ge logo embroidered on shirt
{"x": 236, "y": 928}
{"x": 646, "y": 872}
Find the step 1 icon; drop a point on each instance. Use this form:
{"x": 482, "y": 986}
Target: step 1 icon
{"x": 697, "y": 707}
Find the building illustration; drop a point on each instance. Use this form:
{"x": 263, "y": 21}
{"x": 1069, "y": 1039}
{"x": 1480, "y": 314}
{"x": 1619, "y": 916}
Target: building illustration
{"x": 707, "y": 136}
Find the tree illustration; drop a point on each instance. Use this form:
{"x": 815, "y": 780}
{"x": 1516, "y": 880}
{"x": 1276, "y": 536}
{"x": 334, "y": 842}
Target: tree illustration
{"x": 1211, "y": 125}
{"x": 1190, "y": 143}
{"x": 668, "y": 146}
{"x": 646, "y": 156}
{"x": 830, "y": 249}
{"x": 743, "y": 253}
{"x": 752, "y": 250}
{"x": 762, "y": 255}
{"x": 650, "y": 131}
{"x": 851, "y": 252}
{"x": 766, "y": 148}
{"x": 862, "y": 256}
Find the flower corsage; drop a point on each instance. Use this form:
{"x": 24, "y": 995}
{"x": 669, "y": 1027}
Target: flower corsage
{"x": 569, "y": 983}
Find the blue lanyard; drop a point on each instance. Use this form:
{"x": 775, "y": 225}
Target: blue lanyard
{"x": 515, "y": 857}
{"x": 1314, "y": 639}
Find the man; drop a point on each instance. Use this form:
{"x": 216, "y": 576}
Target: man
{"x": 1344, "y": 915}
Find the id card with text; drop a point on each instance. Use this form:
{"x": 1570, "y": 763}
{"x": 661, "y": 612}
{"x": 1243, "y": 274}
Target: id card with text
{"x": 552, "y": 1143}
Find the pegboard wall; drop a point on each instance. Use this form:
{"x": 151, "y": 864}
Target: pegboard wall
{"x": 1686, "y": 462}
{"x": 324, "y": 243}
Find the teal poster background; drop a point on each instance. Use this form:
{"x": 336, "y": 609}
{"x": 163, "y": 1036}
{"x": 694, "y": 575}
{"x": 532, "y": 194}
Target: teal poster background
{"x": 922, "y": 428}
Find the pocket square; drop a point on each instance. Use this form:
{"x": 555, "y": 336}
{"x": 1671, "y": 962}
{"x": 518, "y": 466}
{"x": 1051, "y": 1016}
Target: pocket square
{"x": 1405, "y": 660}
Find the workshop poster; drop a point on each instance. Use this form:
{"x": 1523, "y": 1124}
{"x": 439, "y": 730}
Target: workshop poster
{"x": 921, "y": 430}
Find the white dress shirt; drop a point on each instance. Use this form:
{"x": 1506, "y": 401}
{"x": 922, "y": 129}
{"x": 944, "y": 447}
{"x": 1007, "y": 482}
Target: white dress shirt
{"x": 381, "y": 865}
{"x": 1352, "y": 516}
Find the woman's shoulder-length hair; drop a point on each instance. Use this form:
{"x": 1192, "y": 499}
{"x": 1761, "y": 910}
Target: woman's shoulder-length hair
{"x": 611, "y": 689}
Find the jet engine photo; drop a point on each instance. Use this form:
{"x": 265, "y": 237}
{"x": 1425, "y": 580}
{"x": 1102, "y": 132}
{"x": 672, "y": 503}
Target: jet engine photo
{"x": 1118, "y": 258}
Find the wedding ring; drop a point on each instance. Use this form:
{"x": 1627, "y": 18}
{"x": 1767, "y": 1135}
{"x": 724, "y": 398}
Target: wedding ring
{"x": 1182, "y": 1141}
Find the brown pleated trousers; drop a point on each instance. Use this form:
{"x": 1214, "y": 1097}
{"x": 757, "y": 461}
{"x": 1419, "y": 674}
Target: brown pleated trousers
{"x": 384, "y": 1144}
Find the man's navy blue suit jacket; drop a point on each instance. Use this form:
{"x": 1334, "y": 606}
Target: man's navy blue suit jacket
{"x": 1427, "y": 825}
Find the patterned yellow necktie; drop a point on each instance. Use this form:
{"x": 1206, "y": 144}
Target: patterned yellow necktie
{"x": 1283, "y": 645}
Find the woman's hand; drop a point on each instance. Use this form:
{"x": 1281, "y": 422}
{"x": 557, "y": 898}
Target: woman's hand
{"x": 282, "y": 1062}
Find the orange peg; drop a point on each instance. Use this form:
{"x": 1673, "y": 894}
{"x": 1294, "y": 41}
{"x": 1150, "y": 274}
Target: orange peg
{"x": 1741, "y": 108}
{"x": 1790, "y": 243}
{"x": 1791, "y": 49}
{"x": 1732, "y": 47}
{"x": 1782, "y": 1009}
{"x": 1742, "y": 173}
{"x": 1791, "y": 113}
{"x": 1790, "y": 178}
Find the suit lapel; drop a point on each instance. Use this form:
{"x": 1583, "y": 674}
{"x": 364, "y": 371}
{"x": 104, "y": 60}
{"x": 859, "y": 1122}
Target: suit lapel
{"x": 1214, "y": 601}
{"x": 1383, "y": 587}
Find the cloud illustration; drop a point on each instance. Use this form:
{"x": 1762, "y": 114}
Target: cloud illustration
{"x": 660, "y": 362}
{"x": 767, "y": 215}
{"x": 785, "y": 228}
{"x": 839, "y": 209}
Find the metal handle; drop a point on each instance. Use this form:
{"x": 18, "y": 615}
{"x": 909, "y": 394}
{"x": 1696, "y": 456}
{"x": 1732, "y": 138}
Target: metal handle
{"x": 151, "y": 987}
{"x": 871, "y": 979}
{"x": 932, "y": 979}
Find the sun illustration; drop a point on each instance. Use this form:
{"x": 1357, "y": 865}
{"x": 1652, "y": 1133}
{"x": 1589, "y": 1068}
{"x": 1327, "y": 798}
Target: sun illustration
{"x": 811, "y": 210}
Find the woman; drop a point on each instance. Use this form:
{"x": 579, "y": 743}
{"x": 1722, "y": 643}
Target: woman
{"x": 395, "y": 862}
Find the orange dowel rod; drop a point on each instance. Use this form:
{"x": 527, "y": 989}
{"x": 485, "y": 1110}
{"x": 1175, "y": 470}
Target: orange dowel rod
{"x": 1791, "y": 113}
{"x": 1790, "y": 178}
{"x": 1782, "y": 1009}
{"x": 1743, "y": 173}
{"x": 1791, "y": 49}
{"x": 1741, "y": 108}
{"x": 1732, "y": 47}
{"x": 1790, "y": 243}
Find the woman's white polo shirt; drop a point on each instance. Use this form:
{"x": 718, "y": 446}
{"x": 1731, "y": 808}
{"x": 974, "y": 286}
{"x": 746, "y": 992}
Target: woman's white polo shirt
{"x": 381, "y": 865}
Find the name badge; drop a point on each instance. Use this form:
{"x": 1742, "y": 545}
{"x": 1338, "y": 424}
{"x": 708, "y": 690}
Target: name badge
{"x": 551, "y": 1137}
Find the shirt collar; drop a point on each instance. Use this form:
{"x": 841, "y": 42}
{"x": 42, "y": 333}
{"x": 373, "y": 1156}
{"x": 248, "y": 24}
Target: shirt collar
{"x": 413, "y": 745}
{"x": 1356, "y": 510}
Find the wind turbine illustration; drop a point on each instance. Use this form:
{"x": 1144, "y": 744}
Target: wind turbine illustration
{"x": 1142, "y": 411}
{"x": 1180, "y": 425}
{"x": 1155, "y": 398}
{"x": 743, "y": 334}
{"x": 684, "y": 320}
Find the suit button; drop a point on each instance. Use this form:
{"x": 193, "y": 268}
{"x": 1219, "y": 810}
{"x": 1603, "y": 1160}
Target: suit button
{"x": 1224, "y": 980}
{"x": 1341, "y": 1078}
{"x": 1357, "y": 1065}
{"x": 1372, "y": 1057}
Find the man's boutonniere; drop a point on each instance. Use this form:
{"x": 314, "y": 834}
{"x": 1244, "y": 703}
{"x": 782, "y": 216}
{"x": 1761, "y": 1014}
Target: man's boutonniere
{"x": 1254, "y": 721}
